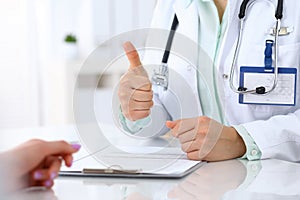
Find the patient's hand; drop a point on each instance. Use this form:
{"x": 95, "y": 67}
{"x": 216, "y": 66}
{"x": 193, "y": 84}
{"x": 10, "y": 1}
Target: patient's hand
{"x": 36, "y": 163}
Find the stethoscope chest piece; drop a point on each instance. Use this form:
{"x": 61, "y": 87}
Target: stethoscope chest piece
{"x": 161, "y": 78}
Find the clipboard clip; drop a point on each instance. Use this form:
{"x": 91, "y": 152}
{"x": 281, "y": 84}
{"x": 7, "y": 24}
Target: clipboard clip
{"x": 111, "y": 170}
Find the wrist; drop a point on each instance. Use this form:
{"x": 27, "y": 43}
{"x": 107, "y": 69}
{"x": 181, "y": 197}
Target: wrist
{"x": 238, "y": 145}
{"x": 239, "y": 142}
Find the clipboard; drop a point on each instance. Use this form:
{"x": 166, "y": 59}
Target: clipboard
{"x": 171, "y": 163}
{"x": 127, "y": 173}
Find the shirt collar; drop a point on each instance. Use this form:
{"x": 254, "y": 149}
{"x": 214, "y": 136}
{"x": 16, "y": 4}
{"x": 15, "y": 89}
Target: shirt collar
{"x": 205, "y": 0}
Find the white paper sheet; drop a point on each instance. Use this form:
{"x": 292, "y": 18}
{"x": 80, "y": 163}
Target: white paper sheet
{"x": 157, "y": 160}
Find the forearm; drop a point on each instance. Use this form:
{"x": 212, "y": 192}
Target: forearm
{"x": 277, "y": 137}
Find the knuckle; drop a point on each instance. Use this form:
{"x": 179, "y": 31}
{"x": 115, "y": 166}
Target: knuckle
{"x": 149, "y": 85}
{"x": 183, "y": 148}
{"x": 126, "y": 114}
{"x": 145, "y": 114}
{"x": 151, "y": 104}
{"x": 122, "y": 95}
{"x": 190, "y": 157}
{"x": 151, "y": 94}
{"x": 36, "y": 141}
{"x": 204, "y": 119}
{"x": 62, "y": 142}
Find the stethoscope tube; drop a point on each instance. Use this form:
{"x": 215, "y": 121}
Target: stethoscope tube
{"x": 170, "y": 40}
{"x": 161, "y": 78}
{"x": 242, "y": 14}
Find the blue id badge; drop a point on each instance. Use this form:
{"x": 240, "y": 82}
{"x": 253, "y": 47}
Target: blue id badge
{"x": 284, "y": 94}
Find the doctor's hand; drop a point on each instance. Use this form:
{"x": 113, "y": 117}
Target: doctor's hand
{"x": 36, "y": 163}
{"x": 135, "y": 90}
{"x": 203, "y": 138}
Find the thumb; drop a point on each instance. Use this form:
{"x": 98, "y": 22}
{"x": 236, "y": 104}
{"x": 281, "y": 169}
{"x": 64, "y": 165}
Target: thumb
{"x": 132, "y": 55}
{"x": 171, "y": 124}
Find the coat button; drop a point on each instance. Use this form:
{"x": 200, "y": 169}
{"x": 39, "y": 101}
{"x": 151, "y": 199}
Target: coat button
{"x": 253, "y": 152}
{"x": 225, "y": 76}
{"x": 254, "y": 167}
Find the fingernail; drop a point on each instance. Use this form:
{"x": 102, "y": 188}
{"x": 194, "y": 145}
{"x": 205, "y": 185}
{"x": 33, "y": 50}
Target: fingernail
{"x": 53, "y": 175}
{"x": 48, "y": 183}
{"x": 127, "y": 46}
{"x": 76, "y": 146}
{"x": 37, "y": 175}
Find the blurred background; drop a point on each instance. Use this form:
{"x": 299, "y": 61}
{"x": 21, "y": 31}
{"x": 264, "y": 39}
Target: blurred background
{"x": 43, "y": 43}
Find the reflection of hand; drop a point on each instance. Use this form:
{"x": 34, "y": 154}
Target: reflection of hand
{"x": 136, "y": 196}
{"x": 211, "y": 181}
{"x": 34, "y": 194}
{"x": 205, "y": 139}
{"x": 135, "y": 91}
{"x": 37, "y": 163}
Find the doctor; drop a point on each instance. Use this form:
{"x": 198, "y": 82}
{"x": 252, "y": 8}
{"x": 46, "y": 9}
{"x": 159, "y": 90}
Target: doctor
{"x": 233, "y": 128}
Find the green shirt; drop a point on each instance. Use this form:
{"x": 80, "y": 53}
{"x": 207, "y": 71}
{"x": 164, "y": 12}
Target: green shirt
{"x": 207, "y": 81}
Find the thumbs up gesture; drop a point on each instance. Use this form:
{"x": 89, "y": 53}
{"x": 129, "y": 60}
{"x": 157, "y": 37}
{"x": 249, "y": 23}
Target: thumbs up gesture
{"x": 135, "y": 90}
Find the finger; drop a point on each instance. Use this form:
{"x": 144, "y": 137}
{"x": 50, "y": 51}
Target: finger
{"x": 135, "y": 105}
{"x": 35, "y": 183}
{"x": 141, "y": 83}
{"x": 180, "y": 129}
{"x": 144, "y": 88}
{"x": 194, "y": 189}
{"x": 68, "y": 160}
{"x": 139, "y": 95}
{"x": 41, "y": 175}
{"x": 195, "y": 155}
{"x": 54, "y": 168}
{"x": 48, "y": 183}
{"x": 188, "y": 136}
{"x": 135, "y": 82}
{"x": 200, "y": 177}
{"x": 191, "y": 146}
{"x": 60, "y": 148}
{"x": 180, "y": 192}
{"x": 132, "y": 55}
{"x": 171, "y": 124}
{"x": 183, "y": 125}
{"x": 50, "y": 169}
{"x": 186, "y": 125}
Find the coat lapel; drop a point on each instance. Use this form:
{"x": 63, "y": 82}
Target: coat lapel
{"x": 187, "y": 14}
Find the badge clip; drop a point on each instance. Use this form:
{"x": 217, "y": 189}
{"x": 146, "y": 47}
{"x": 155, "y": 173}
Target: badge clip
{"x": 282, "y": 32}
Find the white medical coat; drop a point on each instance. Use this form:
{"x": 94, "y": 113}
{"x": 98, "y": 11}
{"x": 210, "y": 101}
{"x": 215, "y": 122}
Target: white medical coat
{"x": 275, "y": 129}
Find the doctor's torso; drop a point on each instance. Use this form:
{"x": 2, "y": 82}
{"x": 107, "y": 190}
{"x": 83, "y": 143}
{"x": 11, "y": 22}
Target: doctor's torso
{"x": 259, "y": 21}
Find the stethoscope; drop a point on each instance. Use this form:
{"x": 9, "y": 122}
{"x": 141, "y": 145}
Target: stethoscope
{"x": 160, "y": 78}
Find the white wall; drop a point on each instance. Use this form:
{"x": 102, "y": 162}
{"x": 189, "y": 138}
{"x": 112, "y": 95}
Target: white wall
{"x": 18, "y": 82}
{"x": 34, "y": 76}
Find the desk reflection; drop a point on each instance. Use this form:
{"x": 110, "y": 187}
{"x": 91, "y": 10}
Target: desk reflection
{"x": 211, "y": 181}
{"x": 33, "y": 193}
{"x": 234, "y": 179}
